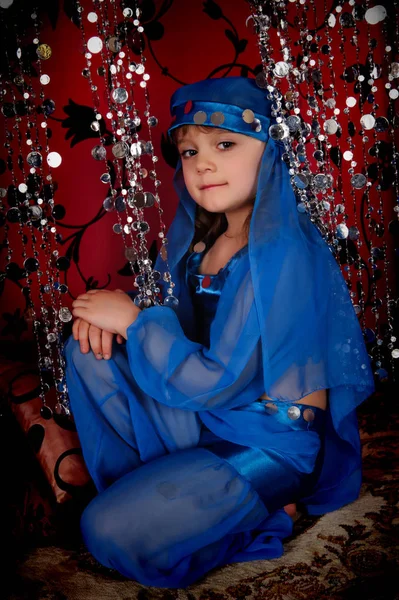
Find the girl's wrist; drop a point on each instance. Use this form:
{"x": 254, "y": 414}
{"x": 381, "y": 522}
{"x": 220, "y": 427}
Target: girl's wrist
{"x": 131, "y": 316}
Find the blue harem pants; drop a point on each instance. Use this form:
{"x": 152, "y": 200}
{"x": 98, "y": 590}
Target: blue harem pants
{"x": 175, "y": 500}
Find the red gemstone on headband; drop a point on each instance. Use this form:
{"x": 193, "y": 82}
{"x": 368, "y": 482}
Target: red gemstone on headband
{"x": 188, "y": 107}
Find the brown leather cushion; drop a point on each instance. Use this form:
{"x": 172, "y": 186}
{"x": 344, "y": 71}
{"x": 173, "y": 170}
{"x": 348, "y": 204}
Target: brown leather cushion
{"x": 54, "y": 441}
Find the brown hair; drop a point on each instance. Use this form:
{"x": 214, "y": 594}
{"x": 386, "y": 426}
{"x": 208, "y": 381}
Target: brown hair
{"x": 208, "y": 226}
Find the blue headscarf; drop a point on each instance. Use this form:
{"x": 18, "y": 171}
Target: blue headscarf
{"x": 297, "y": 300}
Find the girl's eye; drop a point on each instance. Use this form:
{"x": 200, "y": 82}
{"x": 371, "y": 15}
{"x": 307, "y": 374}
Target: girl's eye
{"x": 226, "y": 145}
{"x": 188, "y": 153}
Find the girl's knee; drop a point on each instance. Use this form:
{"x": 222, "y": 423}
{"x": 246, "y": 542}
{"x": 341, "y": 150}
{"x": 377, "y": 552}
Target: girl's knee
{"x": 84, "y": 364}
{"x": 73, "y": 353}
{"x": 126, "y": 548}
{"x": 99, "y": 527}
{"x": 83, "y": 360}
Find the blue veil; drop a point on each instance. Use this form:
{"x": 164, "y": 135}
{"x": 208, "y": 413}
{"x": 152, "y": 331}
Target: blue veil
{"x": 290, "y": 316}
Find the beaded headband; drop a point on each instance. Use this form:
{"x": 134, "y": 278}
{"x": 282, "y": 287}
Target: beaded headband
{"x": 226, "y": 116}
{"x": 232, "y": 103}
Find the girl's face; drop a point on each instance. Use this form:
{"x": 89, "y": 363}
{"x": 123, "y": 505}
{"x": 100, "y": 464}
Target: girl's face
{"x": 220, "y": 168}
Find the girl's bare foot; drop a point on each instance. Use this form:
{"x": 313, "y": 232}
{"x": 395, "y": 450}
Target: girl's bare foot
{"x": 290, "y": 509}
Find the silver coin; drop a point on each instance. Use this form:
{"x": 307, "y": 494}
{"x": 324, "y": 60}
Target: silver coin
{"x": 199, "y": 247}
{"x": 130, "y": 254}
{"x": 248, "y": 115}
{"x": 308, "y": 414}
{"x": 301, "y": 181}
{"x": 279, "y": 131}
{"x": 120, "y": 204}
{"x": 139, "y": 200}
{"x": 136, "y": 149}
{"x": 108, "y": 204}
{"x": 367, "y": 121}
{"x": 65, "y": 314}
{"x": 99, "y": 153}
{"x": 281, "y": 69}
{"x": 354, "y": 233}
{"x": 35, "y": 212}
{"x": 149, "y": 199}
{"x": 376, "y": 14}
{"x": 342, "y": 231}
{"x": 294, "y": 413}
{"x": 330, "y": 126}
{"x": 293, "y": 122}
{"x": 320, "y": 181}
{"x": 34, "y": 159}
{"x": 119, "y": 95}
{"x": 358, "y": 181}
{"x": 120, "y": 149}
{"x": 105, "y": 178}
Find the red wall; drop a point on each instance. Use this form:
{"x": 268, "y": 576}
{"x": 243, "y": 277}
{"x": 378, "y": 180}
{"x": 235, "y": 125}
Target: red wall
{"x": 193, "y": 46}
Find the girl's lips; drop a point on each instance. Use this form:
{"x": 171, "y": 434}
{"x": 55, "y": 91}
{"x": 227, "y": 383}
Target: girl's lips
{"x": 206, "y": 187}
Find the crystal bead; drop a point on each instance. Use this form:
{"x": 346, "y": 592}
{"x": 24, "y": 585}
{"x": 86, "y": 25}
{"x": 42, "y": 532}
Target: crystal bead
{"x": 65, "y": 314}
{"x": 171, "y": 301}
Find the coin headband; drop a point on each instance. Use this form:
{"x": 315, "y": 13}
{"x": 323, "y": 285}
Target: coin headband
{"x": 224, "y": 116}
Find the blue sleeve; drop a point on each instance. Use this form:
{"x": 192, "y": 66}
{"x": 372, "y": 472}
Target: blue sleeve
{"x": 181, "y": 373}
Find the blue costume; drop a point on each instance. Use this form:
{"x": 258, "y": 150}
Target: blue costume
{"x": 193, "y": 469}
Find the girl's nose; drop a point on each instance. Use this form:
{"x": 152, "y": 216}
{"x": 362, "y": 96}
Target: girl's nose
{"x": 205, "y": 164}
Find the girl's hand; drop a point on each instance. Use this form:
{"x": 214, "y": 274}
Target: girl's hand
{"x": 99, "y": 340}
{"x": 112, "y": 311}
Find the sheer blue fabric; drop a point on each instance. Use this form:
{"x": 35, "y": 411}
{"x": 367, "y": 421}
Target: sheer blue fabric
{"x": 278, "y": 319}
{"x": 293, "y": 298}
{"x": 177, "y": 500}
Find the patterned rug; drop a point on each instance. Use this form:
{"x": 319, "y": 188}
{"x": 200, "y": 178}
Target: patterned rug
{"x": 351, "y": 553}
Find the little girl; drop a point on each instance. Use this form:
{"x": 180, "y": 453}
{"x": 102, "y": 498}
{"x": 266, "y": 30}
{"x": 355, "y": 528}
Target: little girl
{"x": 214, "y": 417}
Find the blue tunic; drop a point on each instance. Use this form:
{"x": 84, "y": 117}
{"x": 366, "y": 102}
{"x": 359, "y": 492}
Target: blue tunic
{"x": 205, "y": 297}
{"x": 184, "y": 491}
